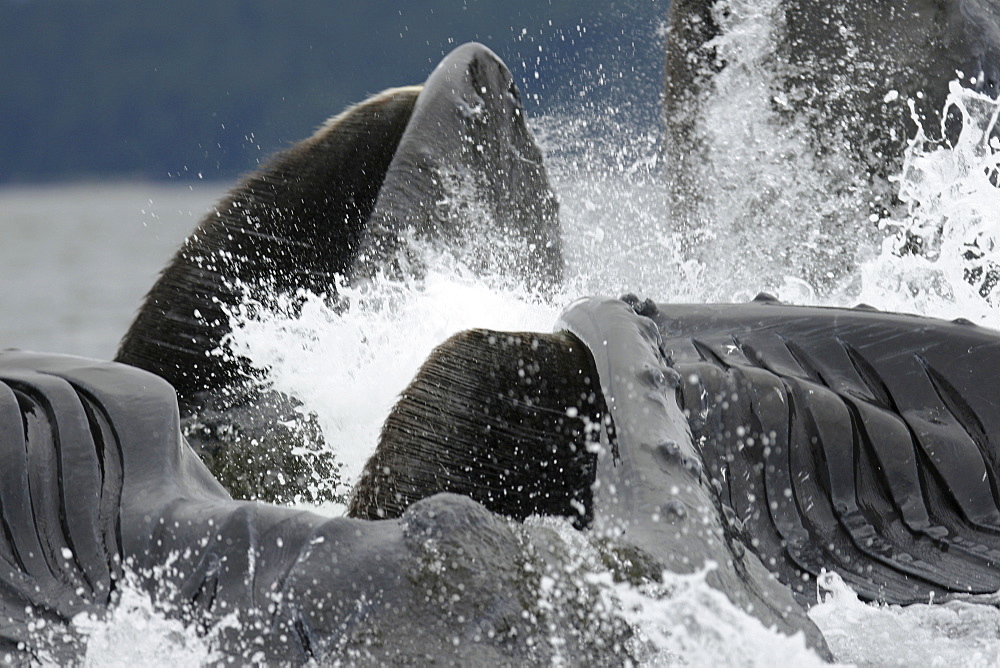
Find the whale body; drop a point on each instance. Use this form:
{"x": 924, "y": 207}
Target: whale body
{"x": 98, "y": 479}
{"x": 802, "y": 110}
{"x": 869, "y": 441}
{"x": 775, "y": 442}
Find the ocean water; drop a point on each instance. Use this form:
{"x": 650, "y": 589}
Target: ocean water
{"x": 75, "y": 261}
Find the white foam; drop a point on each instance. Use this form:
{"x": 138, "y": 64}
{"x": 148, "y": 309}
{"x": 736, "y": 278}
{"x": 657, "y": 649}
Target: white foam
{"x": 687, "y": 622}
{"x": 349, "y": 367}
{"x": 953, "y": 209}
{"x": 137, "y": 632}
{"x": 953, "y": 634}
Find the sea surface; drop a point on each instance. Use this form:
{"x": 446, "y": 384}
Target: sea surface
{"x": 77, "y": 259}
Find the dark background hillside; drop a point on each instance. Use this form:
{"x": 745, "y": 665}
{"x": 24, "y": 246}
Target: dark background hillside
{"x": 153, "y": 89}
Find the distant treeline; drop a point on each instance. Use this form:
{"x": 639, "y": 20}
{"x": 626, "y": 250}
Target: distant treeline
{"x": 173, "y": 89}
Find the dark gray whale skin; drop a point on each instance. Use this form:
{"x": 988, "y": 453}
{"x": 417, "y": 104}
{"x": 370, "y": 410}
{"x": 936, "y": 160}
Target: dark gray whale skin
{"x": 848, "y": 440}
{"x": 650, "y": 492}
{"x": 780, "y": 441}
{"x": 97, "y": 478}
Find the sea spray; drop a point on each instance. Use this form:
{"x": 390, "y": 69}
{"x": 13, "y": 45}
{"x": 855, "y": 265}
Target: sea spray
{"x": 769, "y": 194}
{"x": 943, "y": 258}
{"x": 347, "y": 362}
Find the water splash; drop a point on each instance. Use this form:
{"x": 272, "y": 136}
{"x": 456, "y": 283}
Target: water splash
{"x": 348, "y": 362}
{"x": 762, "y": 201}
{"x": 138, "y": 631}
{"x": 684, "y": 621}
{"x": 680, "y": 620}
{"x": 943, "y": 257}
{"x": 617, "y": 235}
{"x": 956, "y": 633}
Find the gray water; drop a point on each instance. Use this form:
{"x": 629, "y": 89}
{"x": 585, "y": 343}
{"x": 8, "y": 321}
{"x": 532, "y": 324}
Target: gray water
{"x": 76, "y": 260}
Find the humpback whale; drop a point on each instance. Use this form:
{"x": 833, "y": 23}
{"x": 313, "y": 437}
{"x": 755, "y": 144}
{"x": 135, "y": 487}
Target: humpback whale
{"x": 98, "y": 478}
{"x": 839, "y": 62}
{"x": 776, "y": 441}
{"x": 847, "y": 440}
{"x": 773, "y": 441}
{"x": 769, "y": 442}
{"x": 821, "y": 96}
{"x": 345, "y": 204}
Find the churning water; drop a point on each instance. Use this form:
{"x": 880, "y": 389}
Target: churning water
{"x": 348, "y": 366}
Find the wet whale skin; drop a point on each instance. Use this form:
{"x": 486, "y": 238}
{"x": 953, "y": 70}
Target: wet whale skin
{"x": 848, "y": 439}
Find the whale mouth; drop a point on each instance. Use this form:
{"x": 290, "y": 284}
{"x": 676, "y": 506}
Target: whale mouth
{"x": 344, "y": 204}
{"x": 521, "y": 422}
{"x": 450, "y": 164}
{"x": 801, "y": 437}
{"x": 511, "y": 420}
{"x": 467, "y": 140}
{"x": 586, "y": 424}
